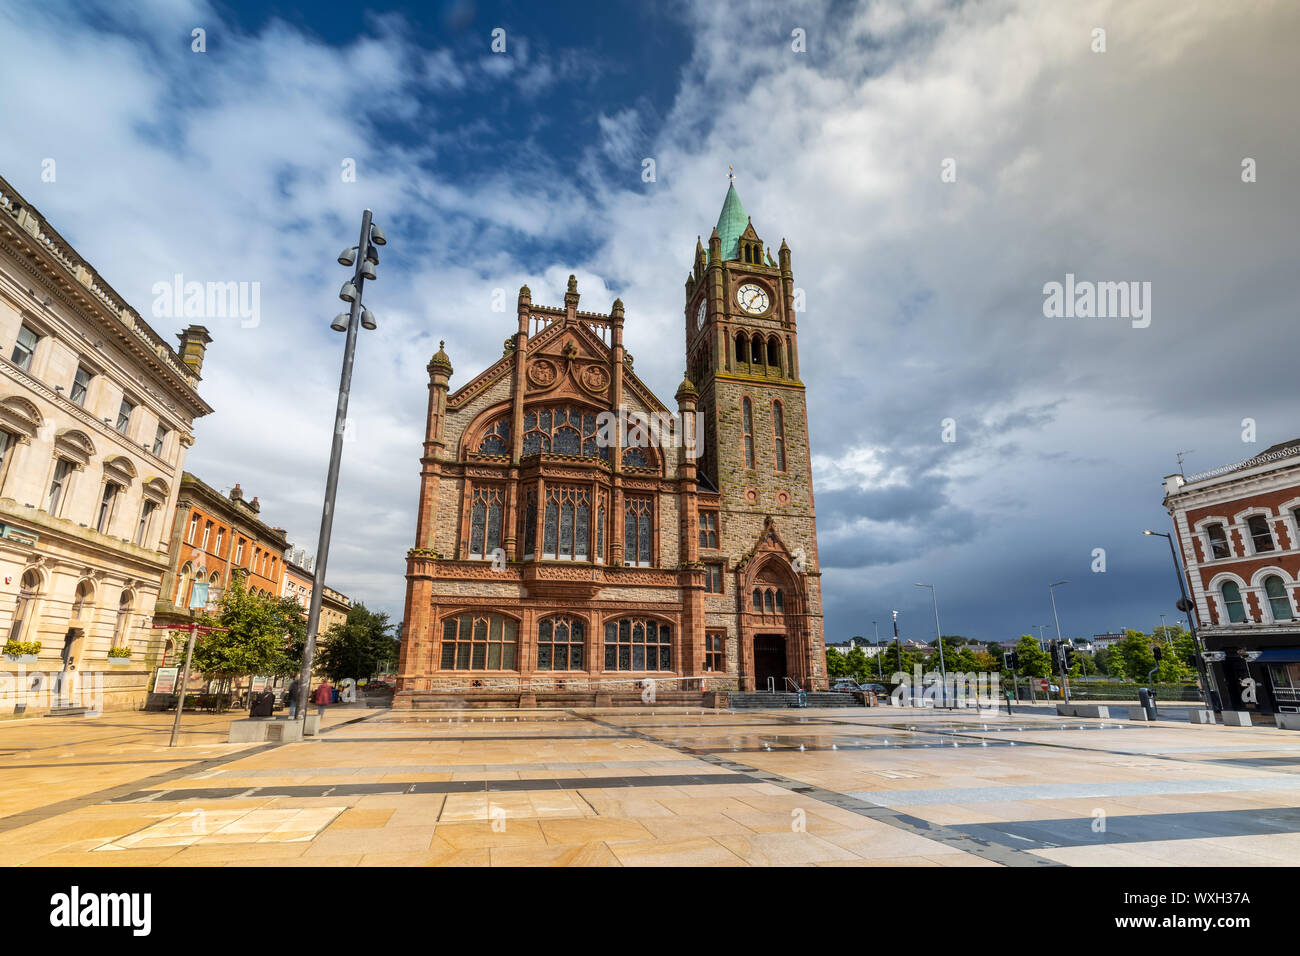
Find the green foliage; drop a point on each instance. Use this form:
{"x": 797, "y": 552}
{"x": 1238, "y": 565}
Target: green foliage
{"x": 119, "y": 652}
{"x": 1034, "y": 661}
{"x": 359, "y": 647}
{"x": 891, "y": 663}
{"x": 836, "y": 665}
{"x": 260, "y": 637}
{"x": 857, "y": 663}
{"x": 20, "y": 648}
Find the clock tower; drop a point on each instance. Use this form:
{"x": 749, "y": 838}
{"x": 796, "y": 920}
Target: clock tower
{"x": 742, "y": 355}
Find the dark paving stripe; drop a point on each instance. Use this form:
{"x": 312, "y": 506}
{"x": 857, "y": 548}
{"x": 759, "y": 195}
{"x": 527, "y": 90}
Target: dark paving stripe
{"x": 951, "y": 837}
{"x": 88, "y": 763}
{"x": 786, "y": 747}
{"x": 431, "y": 786}
{"x": 1195, "y": 825}
{"x": 1279, "y": 762}
{"x": 110, "y": 794}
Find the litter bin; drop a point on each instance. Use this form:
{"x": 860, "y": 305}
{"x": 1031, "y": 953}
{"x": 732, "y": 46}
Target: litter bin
{"x": 1148, "y": 701}
{"x": 263, "y": 705}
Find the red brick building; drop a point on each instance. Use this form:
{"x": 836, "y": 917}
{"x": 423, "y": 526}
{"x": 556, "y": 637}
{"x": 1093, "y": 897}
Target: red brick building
{"x": 555, "y": 555}
{"x": 1238, "y": 528}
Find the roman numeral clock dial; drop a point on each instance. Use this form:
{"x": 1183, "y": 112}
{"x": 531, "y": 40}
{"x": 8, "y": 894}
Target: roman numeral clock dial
{"x": 752, "y": 298}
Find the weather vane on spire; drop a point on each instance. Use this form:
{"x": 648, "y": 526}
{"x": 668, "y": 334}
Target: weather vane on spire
{"x": 731, "y": 175}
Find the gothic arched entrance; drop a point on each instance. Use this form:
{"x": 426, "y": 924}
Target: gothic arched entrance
{"x": 770, "y": 661}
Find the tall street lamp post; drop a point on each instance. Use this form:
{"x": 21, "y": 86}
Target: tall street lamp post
{"x": 943, "y": 670}
{"x": 1186, "y": 607}
{"x": 363, "y": 258}
{"x": 880, "y": 674}
{"x": 1065, "y": 684}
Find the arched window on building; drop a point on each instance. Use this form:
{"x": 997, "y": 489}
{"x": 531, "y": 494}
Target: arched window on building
{"x": 758, "y": 600}
{"x": 637, "y": 644}
{"x": 479, "y": 642}
{"x": 774, "y": 353}
{"x": 83, "y": 601}
{"x": 1280, "y": 604}
{"x": 742, "y": 350}
{"x": 24, "y": 612}
{"x": 560, "y": 643}
{"x": 638, "y": 527}
{"x": 568, "y": 518}
{"x": 183, "y": 586}
{"x": 485, "y": 521}
{"x": 756, "y": 350}
{"x": 1232, "y": 602}
{"x": 747, "y": 426}
{"x": 122, "y": 626}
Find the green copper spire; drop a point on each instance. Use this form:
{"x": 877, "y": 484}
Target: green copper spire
{"x": 731, "y": 223}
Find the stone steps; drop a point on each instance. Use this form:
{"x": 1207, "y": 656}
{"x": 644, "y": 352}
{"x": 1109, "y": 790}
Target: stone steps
{"x": 762, "y": 699}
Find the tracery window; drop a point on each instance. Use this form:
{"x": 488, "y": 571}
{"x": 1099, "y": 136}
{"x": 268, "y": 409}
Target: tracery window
{"x": 497, "y": 439}
{"x": 560, "y": 644}
{"x": 601, "y": 509}
{"x": 479, "y": 642}
{"x": 637, "y": 527}
{"x": 637, "y": 644}
{"x": 568, "y": 518}
{"x": 530, "y": 523}
{"x": 562, "y": 430}
{"x": 769, "y": 601}
{"x": 635, "y": 458}
{"x": 778, "y": 433}
{"x": 747, "y": 426}
{"x": 485, "y": 521}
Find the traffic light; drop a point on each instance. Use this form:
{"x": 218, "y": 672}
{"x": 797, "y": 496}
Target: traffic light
{"x": 1069, "y": 657}
{"x": 1157, "y": 651}
{"x": 1011, "y": 660}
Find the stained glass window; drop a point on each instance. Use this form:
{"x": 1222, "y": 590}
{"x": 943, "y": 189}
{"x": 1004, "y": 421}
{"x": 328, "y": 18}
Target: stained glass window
{"x": 560, "y": 643}
{"x": 497, "y": 439}
{"x": 637, "y": 644}
{"x": 485, "y": 521}
{"x": 636, "y": 529}
{"x": 479, "y": 642}
{"x": 568, "y": 523}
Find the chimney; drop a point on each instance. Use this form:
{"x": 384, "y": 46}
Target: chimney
{"x": 194, "y": 342}
{"x": 254, "y": 505}
{"x": 236, "y": 493}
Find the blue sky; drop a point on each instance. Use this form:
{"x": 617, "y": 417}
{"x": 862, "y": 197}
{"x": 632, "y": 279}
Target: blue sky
{"x": 924, "y": 297}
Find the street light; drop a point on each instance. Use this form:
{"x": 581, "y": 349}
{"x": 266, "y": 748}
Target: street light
{"x": 1186, "y": 607}
{"x": 880, "y": 674}
{"x": 943, "y": 671}
{"x": 363, "y": 269}
{"x": 1042, "y": 644}
{"x": 1051, "y": 590}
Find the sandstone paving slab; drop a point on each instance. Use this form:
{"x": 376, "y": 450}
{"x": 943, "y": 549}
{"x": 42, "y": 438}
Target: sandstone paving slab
{"x": 700, "y": 851}
{"x": 584, "y": 854}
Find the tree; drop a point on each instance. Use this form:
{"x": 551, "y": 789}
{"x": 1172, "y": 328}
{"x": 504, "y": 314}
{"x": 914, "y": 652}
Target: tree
{"x": 836, "y": 665}
{"x": 1034, "y": 661}
{"x": 358, "y": 647}
{"x": 890, "y": 662}
{"x": 857, "y": 664}
{"x": 260, "y": 635}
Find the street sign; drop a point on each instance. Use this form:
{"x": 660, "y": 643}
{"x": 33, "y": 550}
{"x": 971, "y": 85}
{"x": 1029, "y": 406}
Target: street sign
{"x": 164, "y": 681}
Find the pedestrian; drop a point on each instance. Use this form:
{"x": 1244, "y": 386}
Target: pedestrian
{"x": 294, "y": 688}
{"x": 324, "y": 695}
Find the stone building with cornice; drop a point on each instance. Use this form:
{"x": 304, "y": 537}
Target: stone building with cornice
{"x": 96, "y": 418}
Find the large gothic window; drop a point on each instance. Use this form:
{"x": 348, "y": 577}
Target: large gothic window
{"x": 530, "y": 523}
{"x": 562, "y": 430}
{"x": 778, "y": 433}
{"x": 560, "y": 644}
{"x": 600, "y": 527}
{"x": 485, "y": 522}
{"x": 635, "y": 458}
{"x": 637, "y": 527}
{"x": 497, "y": 440}
{"x": 478, "y": 642}
{"x": 637, "y": 644}
{"x": 747, "y": 426}
{"x": 568, "y": 519}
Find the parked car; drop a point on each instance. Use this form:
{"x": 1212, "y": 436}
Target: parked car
{"x": 844, "y": 684}
{"x": 880, "y": 690}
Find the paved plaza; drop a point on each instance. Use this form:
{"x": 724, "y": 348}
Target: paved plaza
{"x": 852, "y": 787}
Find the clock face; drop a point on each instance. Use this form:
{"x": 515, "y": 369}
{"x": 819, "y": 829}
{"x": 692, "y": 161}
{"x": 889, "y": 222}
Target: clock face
{"x": 699, "y": 316}
{"x": 752, "y": 298}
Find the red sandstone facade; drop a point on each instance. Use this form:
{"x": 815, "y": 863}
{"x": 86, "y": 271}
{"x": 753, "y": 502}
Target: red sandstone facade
{"x": 1238, "y": 530}
{"x": 554, "y": 555}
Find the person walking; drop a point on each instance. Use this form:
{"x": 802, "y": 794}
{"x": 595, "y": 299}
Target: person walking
{"x": 294, "y": 688}
{"x": 324, "y": 695}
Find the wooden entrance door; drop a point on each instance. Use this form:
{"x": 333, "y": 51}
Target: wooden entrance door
{"x": 769, "y": 660}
